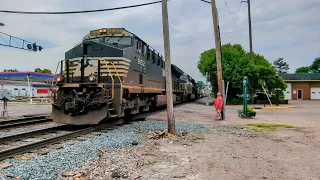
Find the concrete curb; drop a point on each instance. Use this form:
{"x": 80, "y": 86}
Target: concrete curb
{"x": 275, "y": 107}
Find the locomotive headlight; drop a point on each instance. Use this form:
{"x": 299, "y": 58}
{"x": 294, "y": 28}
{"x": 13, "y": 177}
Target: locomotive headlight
{"x": 59, "y": 79}
{"x": 92, "y": 78}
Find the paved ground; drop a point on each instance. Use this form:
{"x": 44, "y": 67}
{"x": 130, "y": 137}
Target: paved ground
{"x": 23, "y": 108}
{"x": 306, "y": 114}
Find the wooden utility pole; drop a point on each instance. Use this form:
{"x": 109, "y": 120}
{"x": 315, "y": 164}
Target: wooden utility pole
{"x": 250, "y": 29}
{"x": 165, "y": 24}
{"x": 217, "y": 43}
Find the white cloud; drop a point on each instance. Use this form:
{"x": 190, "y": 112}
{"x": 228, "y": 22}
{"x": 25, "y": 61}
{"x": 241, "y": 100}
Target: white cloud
{"x": 286, "y": 28}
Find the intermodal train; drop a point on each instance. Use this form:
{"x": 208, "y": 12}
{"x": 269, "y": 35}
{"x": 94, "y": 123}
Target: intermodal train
{"x": 112, "y": 73}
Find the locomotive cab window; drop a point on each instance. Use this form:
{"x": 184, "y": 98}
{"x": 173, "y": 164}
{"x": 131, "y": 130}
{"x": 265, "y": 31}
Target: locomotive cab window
{"x": 148, "y": 53}
{"x": 159, "y": 60}
{"x": 153, "y": 56}
{"x": 144, "y": 50}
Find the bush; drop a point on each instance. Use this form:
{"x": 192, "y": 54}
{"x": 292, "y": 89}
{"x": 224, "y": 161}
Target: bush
{"x": 250, "y": 109}
{"x": 235, "y": 101}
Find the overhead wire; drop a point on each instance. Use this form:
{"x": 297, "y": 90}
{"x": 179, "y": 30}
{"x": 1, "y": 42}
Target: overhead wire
{"x": 237, "y": 17}
{"x": 233, "y": 19}
{"x": 246, "y": 21}
{"x": 206, "y": 1}
{"x": 78, "y": 12}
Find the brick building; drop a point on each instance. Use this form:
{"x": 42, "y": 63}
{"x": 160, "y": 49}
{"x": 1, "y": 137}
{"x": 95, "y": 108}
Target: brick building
{"x": 302, "y": 86}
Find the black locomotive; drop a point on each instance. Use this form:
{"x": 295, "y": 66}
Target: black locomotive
{"x": 113, "y": 73}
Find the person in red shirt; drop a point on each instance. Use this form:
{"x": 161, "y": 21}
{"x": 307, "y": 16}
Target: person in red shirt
{"x": 218, "y": 103}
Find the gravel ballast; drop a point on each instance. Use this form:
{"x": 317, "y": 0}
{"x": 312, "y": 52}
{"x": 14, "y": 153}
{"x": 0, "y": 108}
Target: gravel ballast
{"x": 77, "y": 155}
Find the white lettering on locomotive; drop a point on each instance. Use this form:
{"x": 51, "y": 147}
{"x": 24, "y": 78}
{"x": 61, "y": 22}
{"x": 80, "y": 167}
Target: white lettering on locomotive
{"x": 141, "y": 62}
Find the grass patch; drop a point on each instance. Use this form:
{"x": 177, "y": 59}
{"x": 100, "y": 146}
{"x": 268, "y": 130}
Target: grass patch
{"x": 260, "y": 127}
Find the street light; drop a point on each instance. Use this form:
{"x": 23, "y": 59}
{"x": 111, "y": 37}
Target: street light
{"x": 1, "y": 24}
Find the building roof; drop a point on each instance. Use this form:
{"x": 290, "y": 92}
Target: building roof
{"x": 22, "y": 76}
{"x": 301, "y": 77}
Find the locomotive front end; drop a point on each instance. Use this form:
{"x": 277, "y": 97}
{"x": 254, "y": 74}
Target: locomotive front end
{"x": 80, "y": 99}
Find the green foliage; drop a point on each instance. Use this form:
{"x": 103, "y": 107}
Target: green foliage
{"x": 234, "y": 101}
{"x": 10, "y": 70}
{"x": 250, "y": 109}
{"x": 304, "y": 69}
{"x": 313, "y": 68}
{"x": 47, "y": 71}
{"x": 281, "y": 66}
{"x": 260, "y": 127}
{"x": 316, "y": 65}
{"x": 236, "y": 64}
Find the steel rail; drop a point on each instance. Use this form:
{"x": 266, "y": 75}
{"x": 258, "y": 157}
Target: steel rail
{"x": 23, "y": 121}
{"x": 27, "y": 148}
{"x": 30, "y": 133}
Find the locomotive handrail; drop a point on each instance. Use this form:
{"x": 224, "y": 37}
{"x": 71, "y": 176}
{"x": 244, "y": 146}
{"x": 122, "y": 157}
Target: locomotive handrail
{"x": 119, "y": 81}
{"x": 55, "y": 73}
{"x": 112, "y": 92}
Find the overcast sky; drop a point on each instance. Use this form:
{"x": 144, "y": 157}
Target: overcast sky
{"x": 280, "y": 28}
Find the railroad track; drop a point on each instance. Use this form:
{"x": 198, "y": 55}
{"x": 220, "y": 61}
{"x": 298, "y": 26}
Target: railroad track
{"x": 27, "y": 147}
{"x": 24, "y": 121}
{"x": 20, "y": 149}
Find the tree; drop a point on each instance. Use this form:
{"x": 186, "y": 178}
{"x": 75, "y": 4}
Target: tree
{"x": 316, "y": 65}
{"x": 47, "y": 71}
{"x": 304, "y": 69}
{"x": 236, "y": 64}
{"x": 313, "y": 68}
{"x": 10, "y": 70}
{"x": 281, "y": 66}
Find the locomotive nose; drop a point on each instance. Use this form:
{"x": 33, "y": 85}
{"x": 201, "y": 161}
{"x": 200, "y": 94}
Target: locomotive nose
{"x": 94, "y": 49}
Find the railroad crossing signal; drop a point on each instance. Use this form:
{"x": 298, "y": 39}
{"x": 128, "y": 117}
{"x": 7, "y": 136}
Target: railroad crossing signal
{"x": 15, "y": 42}
{"x": 34, "y": 47}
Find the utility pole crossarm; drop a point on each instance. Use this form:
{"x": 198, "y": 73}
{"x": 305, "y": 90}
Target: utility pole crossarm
{"x": 15, "y": 42}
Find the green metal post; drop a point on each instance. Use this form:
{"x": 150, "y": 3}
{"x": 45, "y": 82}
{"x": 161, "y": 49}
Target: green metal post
{"x": 245, "y": 92}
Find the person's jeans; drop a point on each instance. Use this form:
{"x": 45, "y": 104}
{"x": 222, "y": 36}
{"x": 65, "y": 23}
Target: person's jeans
{"x": 218, "y": 115}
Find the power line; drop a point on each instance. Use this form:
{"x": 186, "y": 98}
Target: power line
{"x": 206, "y": 1}
{"x": 78, "y": 12}
{"x": 233, "y": 19}
{"x": 237, "y": 17}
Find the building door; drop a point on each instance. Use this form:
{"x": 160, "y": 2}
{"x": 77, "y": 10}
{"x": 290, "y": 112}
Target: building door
{"x": 315, "y": 93}
{"x": 288, "y": 94}
{"x": 299, "y": 94}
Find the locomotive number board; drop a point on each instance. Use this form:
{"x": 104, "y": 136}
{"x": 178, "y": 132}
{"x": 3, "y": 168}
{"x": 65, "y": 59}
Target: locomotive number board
{"x": 106, "y": 31}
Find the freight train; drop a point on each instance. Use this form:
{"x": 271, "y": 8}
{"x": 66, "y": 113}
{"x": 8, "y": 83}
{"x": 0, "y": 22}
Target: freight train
{"x": 113, "y": 73}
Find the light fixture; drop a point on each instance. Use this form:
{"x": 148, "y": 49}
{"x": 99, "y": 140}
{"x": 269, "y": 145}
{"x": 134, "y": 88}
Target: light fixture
{"x": 92, "y": 78}
{"x": 59, "y": 79}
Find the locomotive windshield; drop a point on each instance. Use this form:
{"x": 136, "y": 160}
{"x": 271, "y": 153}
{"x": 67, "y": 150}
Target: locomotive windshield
{"x": 115, "y": 40}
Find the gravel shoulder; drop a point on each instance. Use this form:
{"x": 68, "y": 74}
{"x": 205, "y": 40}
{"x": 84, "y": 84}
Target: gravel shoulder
{"x": 226, "y": 152}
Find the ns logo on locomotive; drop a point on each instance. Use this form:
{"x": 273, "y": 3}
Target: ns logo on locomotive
{"x": 113, "y": 73}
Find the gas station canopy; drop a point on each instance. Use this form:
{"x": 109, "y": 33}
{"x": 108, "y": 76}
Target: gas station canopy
{"x": 23, "y": 76}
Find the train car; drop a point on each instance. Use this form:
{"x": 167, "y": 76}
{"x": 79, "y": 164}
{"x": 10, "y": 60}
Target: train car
{"x": 110, "y": 74}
